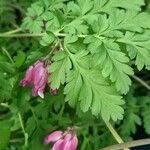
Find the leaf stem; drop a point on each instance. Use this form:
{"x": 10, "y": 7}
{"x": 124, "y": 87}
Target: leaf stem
{"x": 128, "y": 144}
{"x": 114, "y": 133}
{"x": 141, "y": 82}
{"x": 23, "y": 130}
{"x": 10, "y": 34}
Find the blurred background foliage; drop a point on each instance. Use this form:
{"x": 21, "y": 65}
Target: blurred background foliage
{"x": 24, "y": 120}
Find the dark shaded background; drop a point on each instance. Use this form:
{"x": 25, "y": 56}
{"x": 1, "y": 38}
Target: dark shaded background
{"x": 141, "y": 135}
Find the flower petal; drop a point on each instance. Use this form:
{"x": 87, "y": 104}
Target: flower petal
{"x": 28, "y": 77}
{"x": 40, "y": 93}
{"x": 40, "y": 78}
{"x": 74, "y": 143}
{"x": 53, "y": 137}
{"x": 58, "y": 145}
{"x": 67, "y": 141}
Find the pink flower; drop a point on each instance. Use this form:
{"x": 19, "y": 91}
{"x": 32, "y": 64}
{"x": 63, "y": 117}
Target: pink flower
{"x": 37, "y": 76}
{"x": 63, "y": 141}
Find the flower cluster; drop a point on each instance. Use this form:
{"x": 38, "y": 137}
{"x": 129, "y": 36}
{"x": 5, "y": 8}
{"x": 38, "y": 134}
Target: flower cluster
{"x": 63, "y": 140}
{"x": 37, "y": 76}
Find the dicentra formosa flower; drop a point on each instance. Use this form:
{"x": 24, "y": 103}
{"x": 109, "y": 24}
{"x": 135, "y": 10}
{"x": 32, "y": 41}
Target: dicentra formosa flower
{"x": 37, "y": 76}
{"x": 63, "y": 140}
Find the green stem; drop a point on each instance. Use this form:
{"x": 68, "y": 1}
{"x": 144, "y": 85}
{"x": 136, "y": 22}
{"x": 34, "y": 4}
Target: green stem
{"x": 8, "y": 55}
{"x": 7, "y": 35}
{"x": 23, "y": 130}
{"x": 12, "y": 31}
{"x": 20, "y": 35}
{"x": 4, "y": 105}
{"x": 34, "y": 116}
{"x": 51, "y": 52}
{"x": 128, "y": 144}
{"x": 114, "y": 133}
{"x": 16, "y": 140}
{"x": 62, "y": 110}
{"x": 141, "y": 82}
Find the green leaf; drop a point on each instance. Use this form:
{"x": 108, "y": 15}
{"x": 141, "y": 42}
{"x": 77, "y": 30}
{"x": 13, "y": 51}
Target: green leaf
{"x": 107, "y": 55}
{"x": 72, "y": 89}
{"x": 33, "y": 22}
{"x": 85, "y": 5}
{"x": 7, "y": 13}
{"x": 5, "y": 87}
{"x": 47, "y": 39}
{"x": 131, "y": 116}
{"x": 73, "y": 9}
{"x": 76, "y": 27}
{"x": 70, "y": 38}
{"x": 146, "y": 118}
{"x": 119, "y": 21}
{"x": 6, "y": 66}
{"x": 58, "y": 69}
{"x": 101, "y": 98}
{"x": 54, "y": 24}
{"x": 53, "y": 4}
{"x": 30, "y": 125}
{"x": 110, "y": 5}
{"x": 20, "y": 58}
{"x": 33, "y": 56}
{"x": 138, "y": 46}
{"x": 4, "y": 134}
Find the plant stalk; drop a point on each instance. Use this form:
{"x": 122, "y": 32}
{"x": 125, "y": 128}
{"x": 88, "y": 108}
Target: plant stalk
{"x": 128, "y": 144}
{"x": 114, "y": 133}
{"x": 23, "y": 130}
{"x": 141, "y": 82}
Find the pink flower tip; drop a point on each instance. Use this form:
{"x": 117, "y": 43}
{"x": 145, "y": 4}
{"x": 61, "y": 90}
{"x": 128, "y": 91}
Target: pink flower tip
{"x": 53, "y": 137}
{"x": 28, "y": 77}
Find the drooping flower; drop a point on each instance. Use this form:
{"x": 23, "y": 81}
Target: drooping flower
{"x": 63, "y": 141}
{"x": 37, "y": 76}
